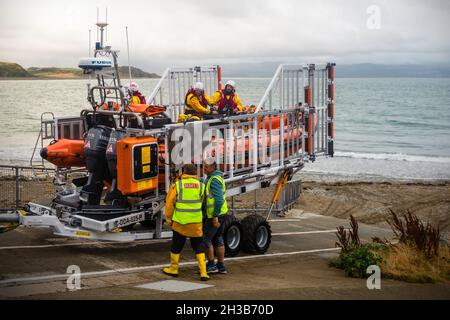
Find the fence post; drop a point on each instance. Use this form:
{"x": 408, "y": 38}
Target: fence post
{"x": 308, "y": 119}
{"x": 312, "y": 113}
{"x": 330, "y": 108}
{"x": 219, "y": 77}
{"x": 16, "y": 169}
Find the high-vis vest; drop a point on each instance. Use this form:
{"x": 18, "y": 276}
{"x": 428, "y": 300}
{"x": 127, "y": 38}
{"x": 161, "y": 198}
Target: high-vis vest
{"x": 210, "y": 199}
{"x": 188, "y": 208}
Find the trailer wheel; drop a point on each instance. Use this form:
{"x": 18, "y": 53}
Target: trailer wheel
{"x": 232, "y": 235}
{"x": 257, "y": 234}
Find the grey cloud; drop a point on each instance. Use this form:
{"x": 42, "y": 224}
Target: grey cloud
{"x": 184, "y": 32}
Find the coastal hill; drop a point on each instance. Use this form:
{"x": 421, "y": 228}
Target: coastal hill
{"x": 14, "y": 70}
{"x": 136, "y": 73}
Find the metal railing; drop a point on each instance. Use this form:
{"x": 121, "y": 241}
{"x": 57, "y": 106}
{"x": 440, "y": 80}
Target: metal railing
{"x": 246, "y": 146}
{"x": 69, "y": 128}
{"x": 290, "y": 195}
{"x": 56, "y": 128}
{"x": 293, "y": 121}
{"x": 20, "y": 185}
{"x": 171, "y": 89}
{"x": 286, "y": 89}
{"x": 310, "y": 87}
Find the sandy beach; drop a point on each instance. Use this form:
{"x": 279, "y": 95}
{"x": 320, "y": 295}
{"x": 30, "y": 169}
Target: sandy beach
{"x": 369, "y": 202}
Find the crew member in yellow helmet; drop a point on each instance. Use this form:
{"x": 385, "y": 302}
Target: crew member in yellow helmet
{"x": 135, "y": 95}
{"x": 227, "y": 101}
{"x": 196, "y": 104}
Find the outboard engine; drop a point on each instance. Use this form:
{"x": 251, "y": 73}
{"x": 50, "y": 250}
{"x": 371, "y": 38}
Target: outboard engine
{"x": 114, "y": 196}
{"x": 95, "y": 146}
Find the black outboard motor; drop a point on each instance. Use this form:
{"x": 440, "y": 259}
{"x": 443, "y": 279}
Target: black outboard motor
{"x": 94, "y": 153}
{"x": 114, "y": 196}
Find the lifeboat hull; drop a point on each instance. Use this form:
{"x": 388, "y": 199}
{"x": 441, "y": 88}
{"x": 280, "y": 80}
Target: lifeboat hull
{"x": 65, "y": 153}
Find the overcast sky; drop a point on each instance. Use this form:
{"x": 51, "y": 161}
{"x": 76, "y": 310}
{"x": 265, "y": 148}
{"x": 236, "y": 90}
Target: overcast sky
{"x": 170, "y": 32}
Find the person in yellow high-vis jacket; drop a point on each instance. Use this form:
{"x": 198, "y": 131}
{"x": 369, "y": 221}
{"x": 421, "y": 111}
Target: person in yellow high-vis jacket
{"x": 216, "y": 209}
{"x": 184, "y": 213}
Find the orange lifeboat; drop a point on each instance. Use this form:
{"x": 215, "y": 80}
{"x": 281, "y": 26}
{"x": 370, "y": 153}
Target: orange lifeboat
{"x": 146, "y": 110}
{"x": 69, "y": 153}
{"x": 65, "y": 153}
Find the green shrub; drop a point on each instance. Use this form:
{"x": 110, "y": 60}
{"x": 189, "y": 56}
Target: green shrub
{"x": 357, "y": 258}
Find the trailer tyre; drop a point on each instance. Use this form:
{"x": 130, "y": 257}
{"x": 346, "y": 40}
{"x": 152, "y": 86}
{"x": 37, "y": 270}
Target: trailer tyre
{"x": 232, "y": 235}
{"x": 257, "y": 234}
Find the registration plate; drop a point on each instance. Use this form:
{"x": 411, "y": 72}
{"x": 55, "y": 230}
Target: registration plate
{"x": 130, "y": 219}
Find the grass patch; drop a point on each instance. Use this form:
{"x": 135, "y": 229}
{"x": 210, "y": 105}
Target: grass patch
{"x": 417, "y": 257}
{"x": 407, "y": 263}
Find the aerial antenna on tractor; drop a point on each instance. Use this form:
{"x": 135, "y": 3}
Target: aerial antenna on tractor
{"x": 128, "y": 52}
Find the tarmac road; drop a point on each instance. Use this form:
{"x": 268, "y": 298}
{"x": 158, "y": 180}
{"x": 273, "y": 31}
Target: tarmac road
{"x": 33, "y": 265}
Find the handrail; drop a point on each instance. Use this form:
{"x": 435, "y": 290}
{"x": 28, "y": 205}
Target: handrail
{"x": 118, "y": 113}
{"x": 158, "y": 86}
{"x": 171, "y": 88}
{"x": 23, "y": 167}
{"x": 115, "y": 88}
{"x": 269, "y": 88}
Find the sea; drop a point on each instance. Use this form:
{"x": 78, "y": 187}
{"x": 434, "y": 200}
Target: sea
{"x": 385, "y": 128}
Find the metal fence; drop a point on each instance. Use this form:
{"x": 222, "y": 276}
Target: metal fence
{"x": 259, "y": 201}
{"x": 20, "y": 185}
{"x": 311, "y": 87}
{"x": 290, "y": 195}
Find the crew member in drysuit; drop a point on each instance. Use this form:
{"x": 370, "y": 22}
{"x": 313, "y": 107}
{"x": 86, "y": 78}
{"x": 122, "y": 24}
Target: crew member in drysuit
{"x": 216, "y": 209}
{"x": 196, "y": 102}
{"x": 135, "y": 96}
{"x": 184, "y": 213}
{"x": 227, "y": 101}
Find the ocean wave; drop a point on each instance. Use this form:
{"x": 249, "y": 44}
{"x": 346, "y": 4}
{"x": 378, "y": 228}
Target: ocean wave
{"x": 392, "y": 157}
